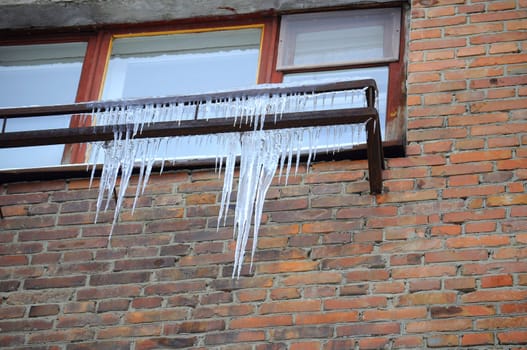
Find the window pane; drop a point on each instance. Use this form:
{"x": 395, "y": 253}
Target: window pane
{"x": 379, "y": 74}
{"x": 180, "y": 64}
{"x": 338, "y": 38}
{"x": 38, "y": 75}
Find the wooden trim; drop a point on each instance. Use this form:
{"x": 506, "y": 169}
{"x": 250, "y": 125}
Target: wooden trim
{"x": 89, "y": 86}
{"x": 268, "y": 51}
{"x": 394, "y": 110}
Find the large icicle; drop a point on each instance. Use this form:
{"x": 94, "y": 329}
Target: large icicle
{"x": 261, "y": 152}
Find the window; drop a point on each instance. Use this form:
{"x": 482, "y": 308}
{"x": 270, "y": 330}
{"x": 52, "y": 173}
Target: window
{"x": 180, "y": 64}
{"x": 42, "y": 74}
{"x": 349, "y": 45}
{"x": 171, "y": 60}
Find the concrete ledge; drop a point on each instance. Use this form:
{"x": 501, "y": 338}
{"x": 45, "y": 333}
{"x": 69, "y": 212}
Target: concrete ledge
{"x": 17, "y": 14}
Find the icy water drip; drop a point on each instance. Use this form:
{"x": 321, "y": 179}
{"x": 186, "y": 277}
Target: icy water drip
{"x": 261, "y": 152}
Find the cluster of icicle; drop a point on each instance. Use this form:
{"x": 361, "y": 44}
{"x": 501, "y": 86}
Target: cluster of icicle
{"x": 261, "y": 152}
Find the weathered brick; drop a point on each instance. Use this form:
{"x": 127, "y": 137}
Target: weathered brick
{"x": 513, "y": 337}
{"x": 130, "y": 331}
{"x": 234, "y": 337}
{"x": 426, "y": 298}
{"x": 43, "y": 310}
{"x": 355, "y": 303}
{"x": 55, "y": 282}
{"x": 155, "y": 315}
{"x": 108, "y": 292}
{"x": 113, "y": 305}
{"x": 63, "y": 336}
{"x": 438, "y": 325}
{"x": 327, "y": 317}
{"x": 261, "y": 321}
{"x": 473, "y": 339}
{"x": 362, "y": 329}
{"x": 82, "y": 320}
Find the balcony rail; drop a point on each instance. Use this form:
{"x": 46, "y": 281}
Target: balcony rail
{"x": 341, "y": 116}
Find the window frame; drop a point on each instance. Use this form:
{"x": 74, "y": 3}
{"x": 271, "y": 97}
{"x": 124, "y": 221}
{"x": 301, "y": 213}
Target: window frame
{"x": 99, "y": 43}
{"x": 395, "y": 136}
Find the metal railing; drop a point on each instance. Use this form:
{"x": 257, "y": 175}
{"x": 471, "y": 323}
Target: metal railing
{"x": 358, "y": 115}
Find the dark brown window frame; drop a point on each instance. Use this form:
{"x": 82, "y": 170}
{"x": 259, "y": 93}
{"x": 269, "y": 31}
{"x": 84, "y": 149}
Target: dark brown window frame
{"x": 99, "y": 46}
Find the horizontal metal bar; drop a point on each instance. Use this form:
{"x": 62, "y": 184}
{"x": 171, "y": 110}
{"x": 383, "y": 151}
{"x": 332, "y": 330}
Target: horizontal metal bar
{"x": 88, "y": 107}
{"x": 186, "y": 128}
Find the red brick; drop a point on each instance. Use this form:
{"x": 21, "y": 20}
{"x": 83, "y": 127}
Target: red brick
{"x": 334, "y": 177}
{"x": 496, "y": 281}
{"x": 427, "y": 298}
{"x": 108, "y": 292}
{"x": 417, "y": 245}
{"x": 200, "y": 326}
{"x": 65, "y": 336}
{"x": 482, "y": 190}
{"x": 514, "y": 308}
{"x": 408, "y": 341}
{"x": 502, "y": 322}
{"x": 82, "y": 320}
{"x": 400, "y": 313}
{"x": 488, "y": 214}
{"x": 55, "y": 282}
{"x": 493, "y": 295}
{"x": 440, "y": 22}
{"x": 456, "y": 255}
{"x": 362, "y": 329}
{"x": 468, "y": 310}
{"x": 43, "y": 310}
{"x": 477, "y": 241}
{"x": 312, "y": 278}
{"x": 450, "y": 230}
{"x": 13, "y": 260}
{"x": 147, "y": 302}
{"x": 291, "y": 306}
{"x": 144, "y": 264}
{"x": 7, "y": 312}
{"x": 355, "y": 303}
{"x": 129, "y": 331}
{"x": 438, "y": 325}
{"x": 513, "y": 337}
{"x": 507, "y": 199}
{"x": 329, "y": 226}
{"x": 287, "y": 266}
{"x": 472, "y": 339}
{"x": 234, "y": 337}
{"x": 79, "y": 307}
{"x": 251, "y": 295}
{"x": 262, "y": 321}
{"x": 307, "y": 345}
{"x": 327, "y": 317}
{"x": 155, "y": 315}
{"x": 113, "y": 305}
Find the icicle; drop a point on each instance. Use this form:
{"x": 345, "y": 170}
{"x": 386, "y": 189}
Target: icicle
{"x": 262, "y": 153}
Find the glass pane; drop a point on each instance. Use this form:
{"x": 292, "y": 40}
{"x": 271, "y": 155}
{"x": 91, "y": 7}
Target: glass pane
{"x": 38, "y": 75}
{"x": 379, "y": 74}
{"x": 338, "y": 38}
{"x": 181, "y": 64}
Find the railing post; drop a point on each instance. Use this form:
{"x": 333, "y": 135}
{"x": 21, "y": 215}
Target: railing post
{"x": 375, "y": 155}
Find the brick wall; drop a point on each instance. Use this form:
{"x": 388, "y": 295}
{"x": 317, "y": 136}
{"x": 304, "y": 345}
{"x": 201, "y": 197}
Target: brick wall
{"x": 438, "y": 260}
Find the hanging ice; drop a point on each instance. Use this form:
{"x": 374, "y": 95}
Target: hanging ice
{"x": 261, "y": 152}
